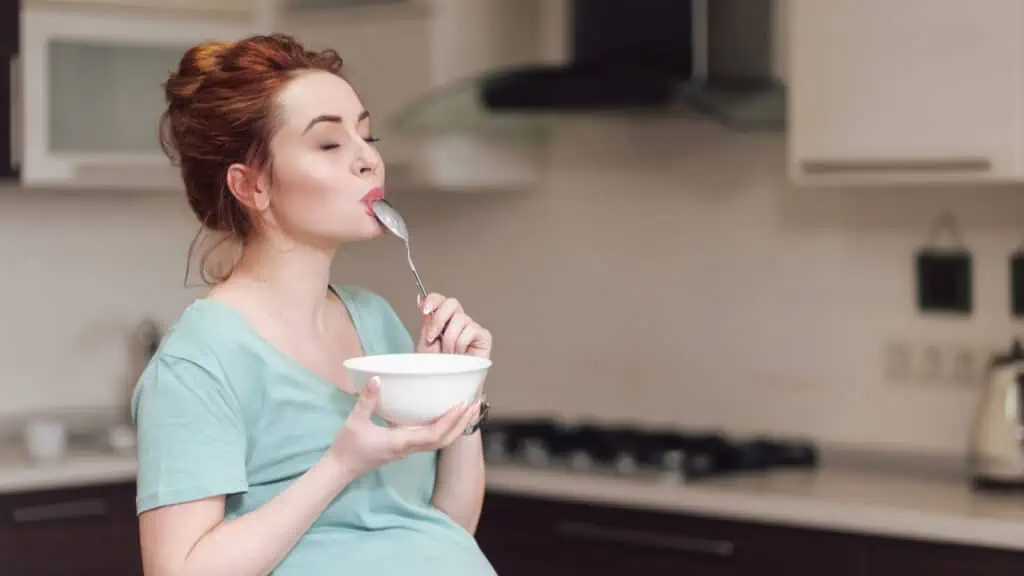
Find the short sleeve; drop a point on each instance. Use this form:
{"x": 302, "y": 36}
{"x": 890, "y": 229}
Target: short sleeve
{"x": 191, "y": 436}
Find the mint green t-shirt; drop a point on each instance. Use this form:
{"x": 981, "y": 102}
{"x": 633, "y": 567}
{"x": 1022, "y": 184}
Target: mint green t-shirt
{"x": 219, "y": 410}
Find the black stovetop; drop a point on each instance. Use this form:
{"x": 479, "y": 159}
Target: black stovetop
{"x": 626, "y": 449}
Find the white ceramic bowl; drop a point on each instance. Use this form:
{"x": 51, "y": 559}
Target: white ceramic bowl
{"x": 418, "y": 388}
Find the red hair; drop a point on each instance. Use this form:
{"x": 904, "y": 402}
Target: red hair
{"x": 221, "y": 104}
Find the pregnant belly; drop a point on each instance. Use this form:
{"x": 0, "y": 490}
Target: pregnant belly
{"x": 393, "y": 552}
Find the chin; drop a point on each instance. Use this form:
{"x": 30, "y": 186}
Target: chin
{"x": 369, "y": 232}
{"x": 353, "y": 228}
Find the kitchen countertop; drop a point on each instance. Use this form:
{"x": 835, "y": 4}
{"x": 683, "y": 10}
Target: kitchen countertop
{"x": 937, "y": 507}
{"x": 941, "y": 507}
{"x": 79, "y": 467}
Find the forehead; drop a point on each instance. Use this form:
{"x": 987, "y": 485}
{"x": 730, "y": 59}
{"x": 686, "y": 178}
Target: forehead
{"x": 312, "y": 94}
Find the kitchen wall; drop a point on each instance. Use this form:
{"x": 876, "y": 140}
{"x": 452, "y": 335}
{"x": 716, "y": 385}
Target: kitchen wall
{"x": 80, "y": 272}
{"x": 662, "y": 272}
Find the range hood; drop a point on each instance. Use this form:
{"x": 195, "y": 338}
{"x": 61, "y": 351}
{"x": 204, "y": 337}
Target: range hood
{"x": 710, "y": 59}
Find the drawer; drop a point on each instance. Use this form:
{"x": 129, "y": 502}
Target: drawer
{"x": 896, "y": 557}
{"x": 619, "y": 538}
{"x": 82, "y": 531}
{"x": 602, "y": 539}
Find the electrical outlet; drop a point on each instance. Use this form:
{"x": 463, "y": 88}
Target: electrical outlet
{"x": 898, "y": 361}
{"x": 930, "y": 364}
{"x": 934, "y": 363}
{"x": 968, "y": 365}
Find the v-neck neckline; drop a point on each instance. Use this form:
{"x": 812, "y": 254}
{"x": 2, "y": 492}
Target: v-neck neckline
{"x": 347, "y": 302}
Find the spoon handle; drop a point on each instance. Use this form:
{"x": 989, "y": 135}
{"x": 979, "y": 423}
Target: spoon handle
{"x": 419, "y": 281}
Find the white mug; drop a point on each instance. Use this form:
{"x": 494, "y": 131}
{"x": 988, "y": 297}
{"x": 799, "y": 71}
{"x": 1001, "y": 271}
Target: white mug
{"x": 45, "y": 439}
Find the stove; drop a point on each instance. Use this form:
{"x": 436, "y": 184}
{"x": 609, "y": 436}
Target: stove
{"x": 630, "y": 450}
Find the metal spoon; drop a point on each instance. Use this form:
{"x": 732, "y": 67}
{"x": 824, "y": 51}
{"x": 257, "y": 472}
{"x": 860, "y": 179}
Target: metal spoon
{"x": 393, "y": 221}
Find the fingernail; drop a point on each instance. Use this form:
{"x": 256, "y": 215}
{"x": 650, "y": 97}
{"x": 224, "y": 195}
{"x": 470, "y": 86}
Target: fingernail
{"x": 428, "y": 308}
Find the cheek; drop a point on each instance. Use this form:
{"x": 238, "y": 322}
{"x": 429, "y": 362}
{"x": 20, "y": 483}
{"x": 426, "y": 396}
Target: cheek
{"x": 309, "y": 171}
{"x": 315, "y": 195}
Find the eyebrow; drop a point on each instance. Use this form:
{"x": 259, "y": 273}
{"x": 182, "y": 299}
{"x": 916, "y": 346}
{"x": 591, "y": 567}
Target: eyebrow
{"x": 333, "y": 119}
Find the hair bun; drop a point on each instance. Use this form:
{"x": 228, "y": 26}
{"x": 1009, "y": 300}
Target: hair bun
{"x": 221, "y": 104}
{"x": 196, "y": 65}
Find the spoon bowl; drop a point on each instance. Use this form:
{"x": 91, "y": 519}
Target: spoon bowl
{"x": 391, "y": 219}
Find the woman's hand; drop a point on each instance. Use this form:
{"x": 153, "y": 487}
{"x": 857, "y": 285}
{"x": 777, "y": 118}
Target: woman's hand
{"x": 363, "y": 445}
{"x": 447, "y": 329}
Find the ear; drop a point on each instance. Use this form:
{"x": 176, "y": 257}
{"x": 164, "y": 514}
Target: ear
{"x": 244, "y": 183}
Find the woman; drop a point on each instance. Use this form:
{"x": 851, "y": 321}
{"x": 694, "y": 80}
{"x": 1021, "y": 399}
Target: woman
{"x": 255, "y": 455}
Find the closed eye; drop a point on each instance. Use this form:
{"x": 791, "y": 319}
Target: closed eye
{"x": 329, "y": 146}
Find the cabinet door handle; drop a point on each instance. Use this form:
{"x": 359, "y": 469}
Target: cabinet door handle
{"x": 14, "y": 114}
{"x": 69, "y": 510}
{"x": 938, "y": 164}
{"x": 646, "y": 539}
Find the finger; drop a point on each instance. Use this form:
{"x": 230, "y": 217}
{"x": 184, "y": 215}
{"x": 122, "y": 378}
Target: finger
{"x": 430, "y": 303}
{"x": 424, "y": 344}
{"x": 453, "y": 331}
{"x": 440, "y": 318}
{"x": 468, "y": 416}
{"x": 425, "y": 437}
{"x": 427, "y": 306}
{"x": 471, "y": 334}
{"x": 446, "y": 430}
{"x": 482, "y": 344}
{"x": 367, "y": 403}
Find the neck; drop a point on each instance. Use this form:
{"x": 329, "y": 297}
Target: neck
{"x": 291, "y": 280}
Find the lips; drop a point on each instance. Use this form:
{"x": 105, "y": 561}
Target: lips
{"x": 373, "y": 195}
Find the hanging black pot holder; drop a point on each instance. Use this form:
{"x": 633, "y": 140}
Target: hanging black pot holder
{"x": 1017, "y": 282}
{"x": 944, "y": 282}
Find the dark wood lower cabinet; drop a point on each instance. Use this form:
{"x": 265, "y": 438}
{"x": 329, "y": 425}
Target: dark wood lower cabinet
{"x": 93, "y": 531}
{"x": 887, "y": 556}
{"x": 528, "y": 535}
{"x": 72, "y": 532}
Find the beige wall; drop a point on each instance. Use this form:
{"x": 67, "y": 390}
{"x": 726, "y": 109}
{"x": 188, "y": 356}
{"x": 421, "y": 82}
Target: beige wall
{"x": 663, "y": 272}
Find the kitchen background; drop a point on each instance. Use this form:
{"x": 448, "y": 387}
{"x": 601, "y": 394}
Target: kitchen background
{"x": 658, "y": 270}
{"x": 709, "y": 289}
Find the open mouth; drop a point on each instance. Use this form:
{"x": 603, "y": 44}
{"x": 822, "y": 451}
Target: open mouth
{"x": 372, "y": 196}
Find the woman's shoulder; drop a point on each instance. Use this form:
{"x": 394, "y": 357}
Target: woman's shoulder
{"x": 205, "y": 330}
{"x": 194, "y": 361}
{"x": 209, "y": 342}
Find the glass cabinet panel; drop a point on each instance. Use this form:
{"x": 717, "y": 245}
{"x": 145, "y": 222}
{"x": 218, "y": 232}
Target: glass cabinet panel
{"x": 107, "y": 99}
{"x": 91, "y": 93}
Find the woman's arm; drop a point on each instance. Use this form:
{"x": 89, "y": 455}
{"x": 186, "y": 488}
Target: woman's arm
{"x": 194, "y": 539}
{"x": 459, "y": 486}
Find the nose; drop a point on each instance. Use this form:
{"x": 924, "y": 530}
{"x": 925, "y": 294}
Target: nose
{"x": 368, "y": 164}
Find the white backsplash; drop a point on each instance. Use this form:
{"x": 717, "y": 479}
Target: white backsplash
{"x": 663, "y": 273}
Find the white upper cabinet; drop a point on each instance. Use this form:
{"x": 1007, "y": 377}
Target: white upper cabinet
{"x": 181, "y": 6}
{"x": 89, "y": 94}
{"x": 907, "y": 91}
